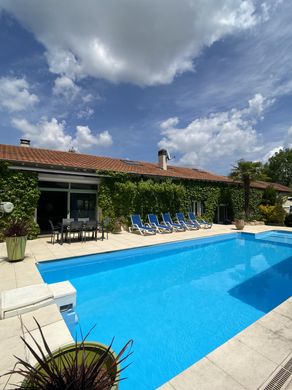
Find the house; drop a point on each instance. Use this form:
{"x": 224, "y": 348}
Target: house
{"x": 69, "y": 181}
{"x": 287, "y": 205}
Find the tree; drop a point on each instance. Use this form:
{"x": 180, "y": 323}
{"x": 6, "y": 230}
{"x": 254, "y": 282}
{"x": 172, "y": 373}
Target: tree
{"x": 269, "y": 196}
{"x": 246, "y": 172}
{"x": 279, "y": 167}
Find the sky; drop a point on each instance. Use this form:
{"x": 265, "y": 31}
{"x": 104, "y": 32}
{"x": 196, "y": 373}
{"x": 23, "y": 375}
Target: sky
{"x": 208, "y": 80}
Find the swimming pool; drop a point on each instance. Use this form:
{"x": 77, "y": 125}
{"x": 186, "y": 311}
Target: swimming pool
{"x": 178, "y": 301}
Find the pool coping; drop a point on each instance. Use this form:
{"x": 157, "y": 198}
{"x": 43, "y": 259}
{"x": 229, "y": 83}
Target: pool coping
{"x": 249, "y": 360}
{"x": 143, "y": 246}
{"x": 129, "y": 250}
{"x": 27, "y": 273}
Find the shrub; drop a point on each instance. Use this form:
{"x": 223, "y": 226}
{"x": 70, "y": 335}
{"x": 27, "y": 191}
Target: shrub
{"x": 269, "y": 196}
{"x": 20, "y": 188}
{"x": 239, "y": 215}
{"x": 273, "y": 214}
{"x": 266, "y": 212}
{"x": 16, "y": 229}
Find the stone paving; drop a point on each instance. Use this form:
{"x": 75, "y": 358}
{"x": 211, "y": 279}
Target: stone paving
{"x": 245, "y": 362}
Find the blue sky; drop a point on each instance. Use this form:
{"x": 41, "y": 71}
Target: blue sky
{"x": 209, "y": 80}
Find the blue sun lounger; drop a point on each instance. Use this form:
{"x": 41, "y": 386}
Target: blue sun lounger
{"x": 175, "y": 226}
{"x": 137, "y": 225}
{"x": 160, "y": 228}
{"x": 203, "y": 224}
{"x": 190, "y": 225}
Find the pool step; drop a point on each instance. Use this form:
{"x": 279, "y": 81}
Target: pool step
{"x": 25, "y": 299}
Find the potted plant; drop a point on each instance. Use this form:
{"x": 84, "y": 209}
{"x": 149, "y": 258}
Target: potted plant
{"x": 239, "y": 220}
{"x": 79, "y": 366}
{"x": 15, "y": 237}
{"x": 117, "y": 224}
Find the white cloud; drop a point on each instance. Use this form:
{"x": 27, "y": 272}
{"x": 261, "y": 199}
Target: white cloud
{"x": 256, "y": 106}
{"x": 170, "y": 122}
{"x": 52, "y": 135}
{"x": 15, "y": 95}
{"x": 217, "y": 136}
{"x": 146, "y": 42}
{"x": 288, "y": 141}
{"x": 85, "y": 113}
{"x": 66, "y": 87}
{"x": 271, "y": 153}
{"x": 48, "y": 134}
{"x": 85, "y": 139}
{"x": 285, "y": 143}
{"x": 88, "y": 98}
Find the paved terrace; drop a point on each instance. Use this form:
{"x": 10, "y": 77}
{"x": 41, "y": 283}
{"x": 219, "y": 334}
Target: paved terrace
{"x": 248, "y": 361}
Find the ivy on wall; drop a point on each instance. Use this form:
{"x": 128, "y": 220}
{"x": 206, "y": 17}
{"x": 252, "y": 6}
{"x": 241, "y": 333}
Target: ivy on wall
{"x": 122, "y": 194}
{"x": 209, "y": 193}
{"x": 237, "y": 201}
{"x": 120, "y": 197}
{"x": 20, "y": 188}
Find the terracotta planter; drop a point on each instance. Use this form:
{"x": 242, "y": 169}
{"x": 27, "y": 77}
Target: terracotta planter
{"x": 239, "y": 223}
{"x": 15, "y": 248}
{"x": 93, "y": 349}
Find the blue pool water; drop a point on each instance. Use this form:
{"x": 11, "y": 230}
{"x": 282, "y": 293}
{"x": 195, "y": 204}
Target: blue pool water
{"x": 177, "y": 301}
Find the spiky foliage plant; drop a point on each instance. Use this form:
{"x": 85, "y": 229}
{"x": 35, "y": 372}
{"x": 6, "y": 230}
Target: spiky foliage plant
{"x": 78, "y": 370}
{"x": 16, "y": 228}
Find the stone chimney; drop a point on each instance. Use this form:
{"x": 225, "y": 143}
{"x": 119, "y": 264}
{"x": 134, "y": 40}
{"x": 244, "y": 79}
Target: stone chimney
{"x": 162, "y": 159}
{"x": 25, "y": 142}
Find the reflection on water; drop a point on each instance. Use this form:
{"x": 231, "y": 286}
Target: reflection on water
{"x": 267, "y": 289}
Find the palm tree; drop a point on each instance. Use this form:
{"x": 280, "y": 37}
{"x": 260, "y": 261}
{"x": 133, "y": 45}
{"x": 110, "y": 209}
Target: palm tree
{"x": 246, "y": 172}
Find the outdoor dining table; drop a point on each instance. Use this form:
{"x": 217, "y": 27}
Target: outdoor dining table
{"x": 65, "y": 225}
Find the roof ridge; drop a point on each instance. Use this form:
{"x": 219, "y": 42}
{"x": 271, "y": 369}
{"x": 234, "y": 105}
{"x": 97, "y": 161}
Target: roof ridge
{"x": 41, "y": 157}
{"x": 154, "y": 164}
{"x": 76, "y": 153}
{"x": 58, "y": 151}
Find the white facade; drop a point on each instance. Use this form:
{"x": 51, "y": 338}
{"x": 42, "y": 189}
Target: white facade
{"x": 287, "y": 205}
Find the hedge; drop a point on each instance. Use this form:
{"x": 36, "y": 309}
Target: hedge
{"x": 121, "y": 195}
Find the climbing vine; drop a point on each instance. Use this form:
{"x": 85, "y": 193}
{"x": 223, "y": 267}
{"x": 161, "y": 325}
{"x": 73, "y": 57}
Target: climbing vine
{"x": 20, "y": 188}
{"x": 237, "y": 201}
{"x": 122, "y": 194}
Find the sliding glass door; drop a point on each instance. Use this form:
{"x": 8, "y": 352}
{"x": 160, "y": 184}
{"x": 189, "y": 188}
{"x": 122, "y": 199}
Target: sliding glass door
{"x": 83, "y": 206}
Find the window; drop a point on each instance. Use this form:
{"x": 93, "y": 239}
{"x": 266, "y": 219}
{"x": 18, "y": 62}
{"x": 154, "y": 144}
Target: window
{"x": 131, "y": 162}
{"x": 198, "y": 207}
{"x": 222, "y": 213}
{"x": 52, "y": 184}
{"x": 83, "y": 186}
{"x": 83, "y": 206}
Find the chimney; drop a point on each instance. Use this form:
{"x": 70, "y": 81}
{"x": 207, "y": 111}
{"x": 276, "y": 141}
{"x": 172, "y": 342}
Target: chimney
{"x": 162, "y": 159}
{"x": 25, "y": 142}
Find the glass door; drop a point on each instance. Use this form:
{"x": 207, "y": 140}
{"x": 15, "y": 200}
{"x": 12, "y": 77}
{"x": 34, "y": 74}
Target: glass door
{"x": 83, "y": 206}
{"x": 222, "y": 213}
{"x": 51, "y": 206}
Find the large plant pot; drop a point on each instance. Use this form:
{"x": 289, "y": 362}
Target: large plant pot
{"x": 94, "y": 351}
{"x": 239, "y": 223}
{"x": 16, "y": 248}
{"x": 117, "y": 227}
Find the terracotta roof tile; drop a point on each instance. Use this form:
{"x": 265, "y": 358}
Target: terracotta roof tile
{"x": 58, "y": 160}
{"x": 277, "y": 186}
